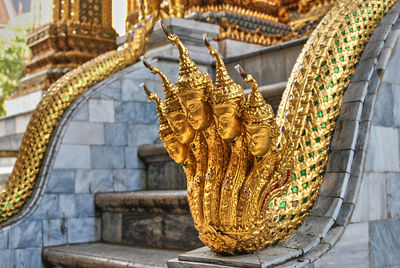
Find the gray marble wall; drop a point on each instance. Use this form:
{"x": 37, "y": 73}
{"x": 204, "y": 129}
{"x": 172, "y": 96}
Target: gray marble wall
{"x": 96, "y": 152}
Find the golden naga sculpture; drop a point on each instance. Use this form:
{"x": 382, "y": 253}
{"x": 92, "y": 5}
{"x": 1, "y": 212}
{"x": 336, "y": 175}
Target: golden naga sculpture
{"x": 23, "y": 179}
{"x": 253, "y": 176}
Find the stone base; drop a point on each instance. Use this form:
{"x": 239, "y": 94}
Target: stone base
{"x": 204, "y": 257}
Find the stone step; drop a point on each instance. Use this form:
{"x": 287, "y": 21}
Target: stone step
{"x": 11, "y": 142}
{"x": 7, "y": 161}
{"x": 158, "y": 219}
{"x": 162, "y": 172}
{"x": 102, "y": 255}
{"x": 4, "y": 174}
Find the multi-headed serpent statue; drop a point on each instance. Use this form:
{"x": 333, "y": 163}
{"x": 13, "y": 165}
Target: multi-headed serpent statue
{"x": 252, "y": 176}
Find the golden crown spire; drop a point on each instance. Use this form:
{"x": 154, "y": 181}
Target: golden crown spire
{"x": 257, "y": 111}
{"x": 171, "y": 103}
{"x": 191, "y": 79}
{"x": 165, "y": 130}
{"x": 226, "y": 90}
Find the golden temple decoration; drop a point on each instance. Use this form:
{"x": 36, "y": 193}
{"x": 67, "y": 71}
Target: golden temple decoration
{"x": 236, "y": 9}
{"x": 257, "y": 175}
{"x": 22, "y": 182}
{"x": 76, "y": 32}
{"x": 263, "y": 22}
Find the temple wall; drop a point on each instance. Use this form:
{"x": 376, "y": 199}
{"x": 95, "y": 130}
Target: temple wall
{"x": 95, "y": 151}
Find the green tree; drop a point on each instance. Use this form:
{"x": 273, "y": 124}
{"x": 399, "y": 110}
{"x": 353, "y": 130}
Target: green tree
{"x": 13, "y": 51}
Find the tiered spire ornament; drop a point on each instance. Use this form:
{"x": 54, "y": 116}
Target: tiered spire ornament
{"x": 257, "y": 111}
{"x": 240, "y": 203}
{"x": 226, "y": 90}
{"x": 191, "y": 79}
{"x": 165, "y": 130}
{"x": 172, "y": 103}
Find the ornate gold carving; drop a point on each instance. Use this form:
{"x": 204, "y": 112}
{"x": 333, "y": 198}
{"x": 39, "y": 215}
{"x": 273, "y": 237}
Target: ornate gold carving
{"x": 77, "y": 32}
{"x": 265, "y": 172}
{"x": 22, "y": 181}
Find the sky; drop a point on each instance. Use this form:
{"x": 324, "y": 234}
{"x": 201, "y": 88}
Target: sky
{"x": 26, "y": 5}
{"x": 119, "y": 16}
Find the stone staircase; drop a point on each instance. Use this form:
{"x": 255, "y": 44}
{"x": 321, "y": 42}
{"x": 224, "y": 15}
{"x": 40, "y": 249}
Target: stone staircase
{"x": 140, "y": 228}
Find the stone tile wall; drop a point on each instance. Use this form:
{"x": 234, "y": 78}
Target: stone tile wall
{"x": 95, "y": 151}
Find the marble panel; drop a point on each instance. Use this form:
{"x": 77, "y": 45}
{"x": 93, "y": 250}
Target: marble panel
{"x": 101, "y": 111}
{"x": 371, "y": 203}
{"x": 383, "y": 115}
{"x": 61, "y": 181}
{"x": 28, "y": 257}
{"x": 393, "y": 194}
{"x": 116, "y": 134}
{"x": 7, "y": 257}
{"x": 72, "y": 156}
{"x": 26, "y": 234}
{"x": 384, "y": 243}
{"x": 350, "y": 251}
{"x": 107, "y": 157}
{"x": 84, "y": 133}
{"x": 125, "y": 111}
{"x": 82, "y": 114}
{"x": 47, "y": 207}
{"x": 383, "y": 150}
{"x": 93, "y": 180}
{"x": 54, "y": 232}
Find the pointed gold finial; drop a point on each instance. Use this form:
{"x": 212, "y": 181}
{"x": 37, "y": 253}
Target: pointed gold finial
{"x": 257, "y": 111}
{"x": 171, "y": 103}
{"x": 165, "y": 130}
{"x": 226, "y": 90}
{"x": 191, "y": 79}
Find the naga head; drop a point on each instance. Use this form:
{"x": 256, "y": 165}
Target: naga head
{"x": 172, "y": 108}
{"x": 259, "y": 120}
{"x": 193, "y": 87}
{"x": 138, "y": 34}
{"x": 176, "y": 150}
{"x": 227, "y": 99}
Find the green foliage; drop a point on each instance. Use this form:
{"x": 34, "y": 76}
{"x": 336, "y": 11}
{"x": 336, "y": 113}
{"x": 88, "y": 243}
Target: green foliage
{"x": 13, "y": 51}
